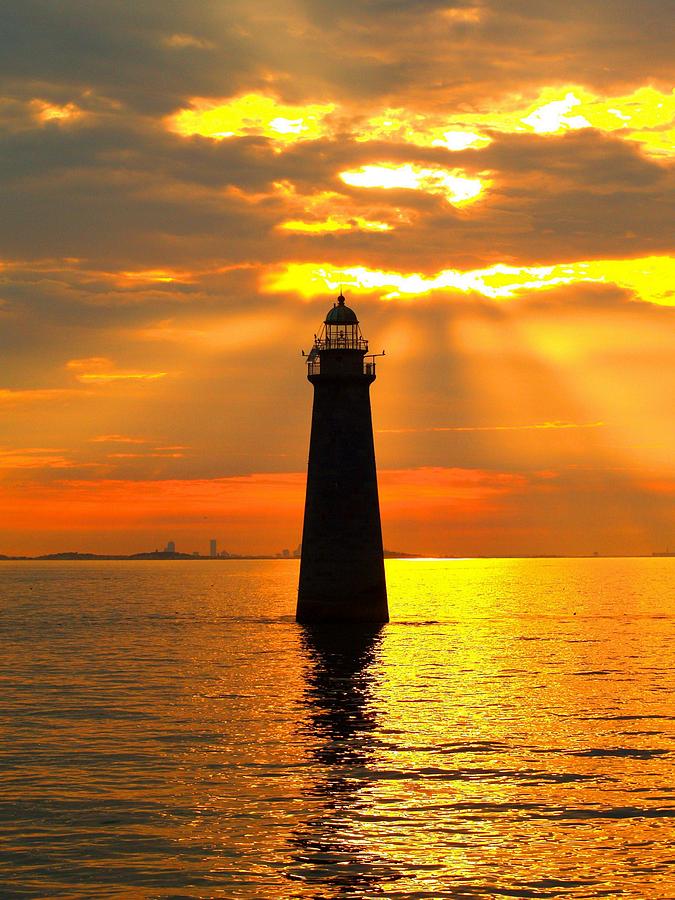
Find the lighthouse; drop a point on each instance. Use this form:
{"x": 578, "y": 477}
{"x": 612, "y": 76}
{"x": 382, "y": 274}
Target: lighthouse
{"x": 342, "y": 563}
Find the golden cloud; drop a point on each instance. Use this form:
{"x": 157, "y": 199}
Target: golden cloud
{"x": 252, "y": 114}
{"x": 650, "y": 278}
{"x": 646, "y": 115}
{"x": 101, "y": 370}
{"x": 334, "y": 223}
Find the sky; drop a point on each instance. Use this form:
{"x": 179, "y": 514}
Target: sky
{"x": 184, "y": 189}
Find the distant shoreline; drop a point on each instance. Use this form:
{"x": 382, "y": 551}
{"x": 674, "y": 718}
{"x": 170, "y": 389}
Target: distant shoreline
{"x": 164, "y": 555}
{"x": 160, "y": 555}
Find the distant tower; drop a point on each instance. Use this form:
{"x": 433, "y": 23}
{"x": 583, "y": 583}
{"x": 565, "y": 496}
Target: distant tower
{"x": 170, "y": 547}
{"x": 342, "y": 565}
{"x": 213, "y": 548}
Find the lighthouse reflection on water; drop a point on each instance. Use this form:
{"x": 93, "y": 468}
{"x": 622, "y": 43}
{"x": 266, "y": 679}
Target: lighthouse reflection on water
{"x": 342, "y": 565}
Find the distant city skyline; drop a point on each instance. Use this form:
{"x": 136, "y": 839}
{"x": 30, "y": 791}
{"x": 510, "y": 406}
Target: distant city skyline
{"x": 172, "y": 549}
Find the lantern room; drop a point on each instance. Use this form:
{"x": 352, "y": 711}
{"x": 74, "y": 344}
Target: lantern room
{"x": 341, "y": 329}
{"x": 340, "y": 348}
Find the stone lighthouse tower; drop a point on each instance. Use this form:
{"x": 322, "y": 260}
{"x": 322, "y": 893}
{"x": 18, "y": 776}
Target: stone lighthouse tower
{"x": 342, "y": 566}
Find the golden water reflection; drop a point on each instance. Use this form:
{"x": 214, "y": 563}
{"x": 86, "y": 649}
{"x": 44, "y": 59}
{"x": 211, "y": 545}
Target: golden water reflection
{"x": 505, "y": 737}
{"x": 169, "y": 731}
{"x": 331, "y": 847}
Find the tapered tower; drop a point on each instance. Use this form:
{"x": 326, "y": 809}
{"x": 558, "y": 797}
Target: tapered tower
{"x": 342, "y": 564}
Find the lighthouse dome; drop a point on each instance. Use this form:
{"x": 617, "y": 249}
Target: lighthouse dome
{"x": 341, "y": 314}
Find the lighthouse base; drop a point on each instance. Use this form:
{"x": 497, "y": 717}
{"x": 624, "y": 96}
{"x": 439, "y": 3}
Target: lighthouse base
{"x": 359, "y": 603}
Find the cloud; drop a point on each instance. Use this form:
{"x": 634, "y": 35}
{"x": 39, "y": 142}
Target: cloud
{"x": 538, "y": 426}
{"x": 425, "y": 53}
{"x": 117, "y": 439}
{"x": 34, "y": 458}
{"x": 183, "y": 41}
{"x": 100, "y": 370}
{"x": 148, "y": 455}
{"x": 9, "y": 397}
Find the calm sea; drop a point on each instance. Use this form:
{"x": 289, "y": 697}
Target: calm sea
{"x": 168, "y": 731}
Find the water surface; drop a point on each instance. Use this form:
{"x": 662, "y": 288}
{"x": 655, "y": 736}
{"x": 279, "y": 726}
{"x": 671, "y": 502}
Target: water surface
{"x": 168, "y": 731}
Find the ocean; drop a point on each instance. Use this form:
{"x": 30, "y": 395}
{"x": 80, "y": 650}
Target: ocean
{"x": 168, "y": 731}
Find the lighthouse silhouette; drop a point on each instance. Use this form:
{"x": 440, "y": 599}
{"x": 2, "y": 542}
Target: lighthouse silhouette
{"x": 342, "y": 562}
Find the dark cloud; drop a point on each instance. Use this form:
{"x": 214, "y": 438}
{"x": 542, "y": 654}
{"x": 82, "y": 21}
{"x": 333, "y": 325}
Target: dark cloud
{"x": 151, "y": 56}
{"x": 120, "y": 50}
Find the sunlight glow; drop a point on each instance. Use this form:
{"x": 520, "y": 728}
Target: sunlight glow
{"x": 252, "y": 114}
{"x": 452, "y": 184}
{"x": 650, "y": 278}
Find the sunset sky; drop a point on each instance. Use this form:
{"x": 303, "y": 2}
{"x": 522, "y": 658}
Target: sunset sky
{"x": 186, "y": 185}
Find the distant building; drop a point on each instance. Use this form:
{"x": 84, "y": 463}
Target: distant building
{"x": 285, "y": 554}
{"x": 170, "y": 547}
{"x": 213, "y": 548}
